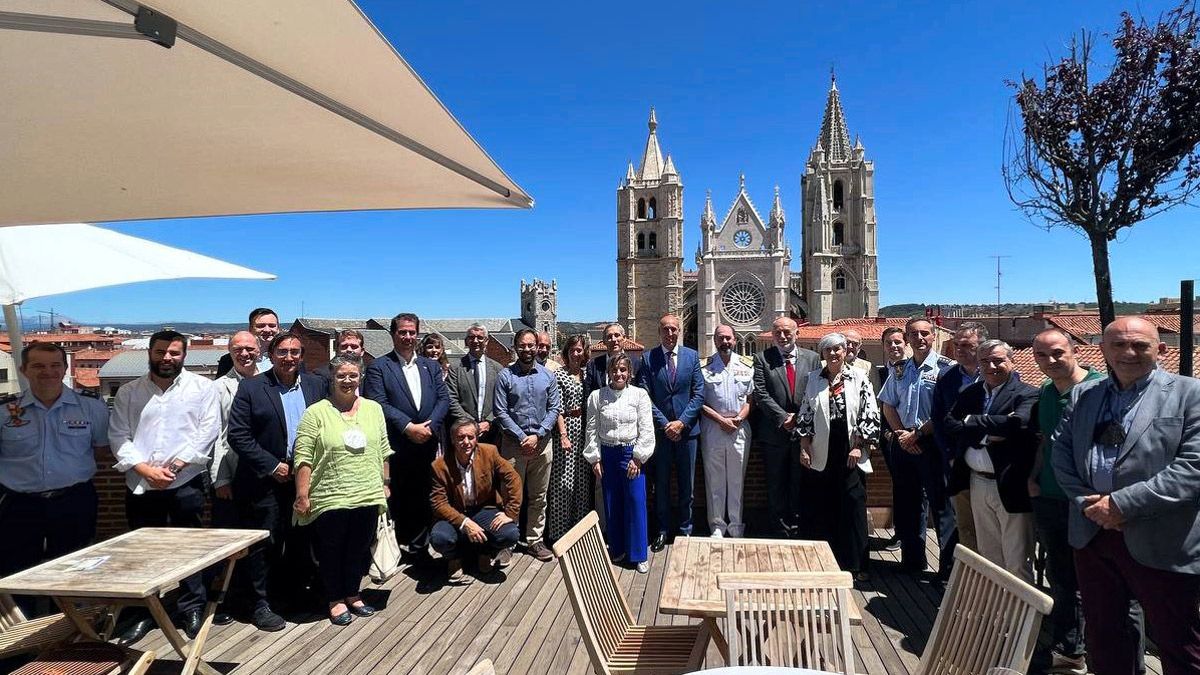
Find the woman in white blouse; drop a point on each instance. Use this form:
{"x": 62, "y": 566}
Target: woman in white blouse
{"x": 620, "y": 439}
{"x": 838, "y": 423}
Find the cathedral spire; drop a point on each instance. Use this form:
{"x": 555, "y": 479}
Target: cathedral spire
{"x": 652, "y": 161}
{"x": 669, "y": 169}
{"x": 777, "y": 215}
{"x": 708, "y": 219}
{"x": 835, "y": 137}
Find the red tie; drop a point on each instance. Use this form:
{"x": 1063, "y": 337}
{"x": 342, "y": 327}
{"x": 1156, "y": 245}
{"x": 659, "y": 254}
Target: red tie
{"x": 791, "y": 374}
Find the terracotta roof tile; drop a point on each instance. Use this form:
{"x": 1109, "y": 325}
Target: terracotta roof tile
{"x": 1084, "y": 327}
{"x": 89, "y": 354}
{"x": 87, "y": 377}
{"x": 1090, "y": 355}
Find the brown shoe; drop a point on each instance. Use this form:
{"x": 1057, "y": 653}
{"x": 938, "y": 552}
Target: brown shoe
{"x": 454, "y": 573}
{"x": 541, "y": 552}
{"x": 486, "y": 563}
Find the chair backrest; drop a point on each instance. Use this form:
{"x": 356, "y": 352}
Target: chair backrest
{"x": 789, "y": 620}
{"x": 10, "y": 614}
{"x": 596, "y": 599}
{"x": 484, "y": 667}
{"x": 988, "y": 618}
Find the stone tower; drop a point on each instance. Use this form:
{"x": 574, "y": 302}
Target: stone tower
{"x": 539, "y": 307}
{"x": 841, "y": 275}
{"x": 649, "y": 242}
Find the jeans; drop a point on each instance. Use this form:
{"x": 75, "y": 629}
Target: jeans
{"x": 1066, "y": 618}
{"x": 450, "y": 541}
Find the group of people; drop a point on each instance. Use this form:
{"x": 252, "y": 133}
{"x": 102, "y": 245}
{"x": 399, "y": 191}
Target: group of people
{"x": 475, "y": 458}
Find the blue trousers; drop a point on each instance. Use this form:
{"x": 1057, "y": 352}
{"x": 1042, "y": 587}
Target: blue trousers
{"x": 678, "y": 457}
{"x": 919, "y": 482}
{"x": 449, "y": 540}
{"x": 624, "y": 505}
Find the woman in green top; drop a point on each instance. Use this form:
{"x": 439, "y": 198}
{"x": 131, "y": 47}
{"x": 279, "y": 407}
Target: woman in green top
{"x": 341, "y": 485}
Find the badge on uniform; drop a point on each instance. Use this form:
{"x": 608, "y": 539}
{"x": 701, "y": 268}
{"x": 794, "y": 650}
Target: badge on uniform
{"x": 15, "y": 411}
{"x": 76, "y": 424}
{"x": 898, "y": 369}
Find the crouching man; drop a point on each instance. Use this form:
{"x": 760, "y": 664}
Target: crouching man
{"x": 476, "y": 499}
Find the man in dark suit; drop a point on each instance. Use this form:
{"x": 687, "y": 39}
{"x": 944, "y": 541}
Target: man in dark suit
{"x": 1127, "y": 454}
{"x": 671, "y": 375}
{"x": 264, "y": 323}
{"x": 993, "y": 445}
{"x": 415, "y": 403}
{"x": 596, "y": 374}
{"x": 967, "y": 338}
{"x": 780, "y": 374}
{"x": 347, "y": 342}
{"x": 263, "y": 420}
{"x": 472, "y": 385}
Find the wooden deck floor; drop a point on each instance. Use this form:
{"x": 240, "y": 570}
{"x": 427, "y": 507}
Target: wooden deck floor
{"x": 525, "y": 625}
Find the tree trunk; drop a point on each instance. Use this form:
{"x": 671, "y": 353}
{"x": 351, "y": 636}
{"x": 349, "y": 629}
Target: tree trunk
{"x": 1103, "y": 277}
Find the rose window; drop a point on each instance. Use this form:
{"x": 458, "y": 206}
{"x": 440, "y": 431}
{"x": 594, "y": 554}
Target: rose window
{"x": 742, "y": 302}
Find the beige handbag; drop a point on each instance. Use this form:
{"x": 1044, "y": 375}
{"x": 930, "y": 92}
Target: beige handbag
{"x": 385, "y": 552}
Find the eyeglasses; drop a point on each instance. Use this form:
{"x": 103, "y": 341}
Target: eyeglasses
{"x": 288, "y": 352}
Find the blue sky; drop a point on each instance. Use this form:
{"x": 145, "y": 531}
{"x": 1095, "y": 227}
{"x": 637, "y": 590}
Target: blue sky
{"x": 558, "y": 94}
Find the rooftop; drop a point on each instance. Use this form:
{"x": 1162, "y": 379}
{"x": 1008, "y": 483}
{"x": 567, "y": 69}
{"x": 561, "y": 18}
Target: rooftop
{"x": 132, "y": 362}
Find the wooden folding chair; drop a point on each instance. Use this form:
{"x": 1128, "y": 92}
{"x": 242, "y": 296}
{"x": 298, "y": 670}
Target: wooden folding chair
{"x": 789, "y": 619}
{"x": 53, "y": 639}
{"x": 614, "y": 642}
{"x": 988, "y": 619}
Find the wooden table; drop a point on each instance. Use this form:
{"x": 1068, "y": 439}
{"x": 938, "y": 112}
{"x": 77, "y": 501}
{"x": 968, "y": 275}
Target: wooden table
{"x": 690, "y": 584}
{"x": 137, "y": 568}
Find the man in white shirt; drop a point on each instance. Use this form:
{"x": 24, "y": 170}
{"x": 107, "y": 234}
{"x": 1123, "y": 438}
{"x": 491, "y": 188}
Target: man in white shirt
{"x": 162, "y": 430}
{"x": 725, "y": 432}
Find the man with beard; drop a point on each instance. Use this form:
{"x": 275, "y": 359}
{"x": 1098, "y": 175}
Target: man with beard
{"x": 725, "y": 432}
{"x": 779, "y": 376}
{"x": 162, "y": 431}
{"x": 263, "y": 422}
{"x": 264, "y": 324}
{"x": 472, "y": 383}
{"x": 527, "y": 406}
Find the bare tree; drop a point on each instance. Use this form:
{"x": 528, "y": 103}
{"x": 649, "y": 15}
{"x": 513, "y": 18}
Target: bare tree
{"x": 1098, "y": 156}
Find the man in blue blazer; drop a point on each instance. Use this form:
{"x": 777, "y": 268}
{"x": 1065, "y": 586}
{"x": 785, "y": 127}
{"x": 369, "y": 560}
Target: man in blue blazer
{"x": 671, "y": 375}
{"x": 415, "y": 403}
{"x": 263, "y": 420}
{"x": 595, "y": 376}
{"x": 1127, "y": 454}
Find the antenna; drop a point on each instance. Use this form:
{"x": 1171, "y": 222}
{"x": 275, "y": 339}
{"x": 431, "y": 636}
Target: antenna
{"x": 999, "y": 275}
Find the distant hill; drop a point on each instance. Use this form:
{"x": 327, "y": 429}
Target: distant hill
{"x": 189, "y": 327}
{"x": 1006, "y": 309}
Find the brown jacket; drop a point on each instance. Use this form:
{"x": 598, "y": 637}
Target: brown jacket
{"x": 496, "y": 484}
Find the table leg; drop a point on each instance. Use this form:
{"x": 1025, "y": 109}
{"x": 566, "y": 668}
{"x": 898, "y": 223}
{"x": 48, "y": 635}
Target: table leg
{"x": 216, "y": 595}
{"x": 154, "y": 604}
{"x": 81, "y": 623}
{"x": 718, "y": 638}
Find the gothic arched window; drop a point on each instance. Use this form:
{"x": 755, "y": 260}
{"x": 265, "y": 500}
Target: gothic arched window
{"x": 641, "y": 241}
{"x": 641, "y": 211}
{"x": 839, "y": 280}
{"x": 652, "y": 212}
{"x": 653, "y": 241}
{"x": 838, "y": 195}
{"x": 839, "y": 234}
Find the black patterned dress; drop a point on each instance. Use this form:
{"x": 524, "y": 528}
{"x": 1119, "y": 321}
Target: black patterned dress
{"x": 570, "y": 494}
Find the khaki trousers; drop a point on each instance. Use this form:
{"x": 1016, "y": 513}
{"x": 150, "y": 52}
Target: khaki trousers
{"x": 534, "y": 471}
{"x": 965, "y": 521}
{"x": 1004, "y": 538}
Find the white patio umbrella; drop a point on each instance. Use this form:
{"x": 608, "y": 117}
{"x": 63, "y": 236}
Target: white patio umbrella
{"x": 122, "y": 110}
{"x": 85, "y": 257}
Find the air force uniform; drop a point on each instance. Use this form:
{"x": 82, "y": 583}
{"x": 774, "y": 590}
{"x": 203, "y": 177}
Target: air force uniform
{"x": 47, "y": 460}
{"x": 726, "y": 390}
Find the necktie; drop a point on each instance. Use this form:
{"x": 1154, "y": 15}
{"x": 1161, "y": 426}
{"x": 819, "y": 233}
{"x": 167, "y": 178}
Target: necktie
{"x": 671, "y": 367}
{"x": 478, "y": 389}
{"x": 791, "y": 375}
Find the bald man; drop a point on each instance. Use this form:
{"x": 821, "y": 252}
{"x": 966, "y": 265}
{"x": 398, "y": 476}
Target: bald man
{"x": 1127, "y": 455}
{"x": 780, "y": 373}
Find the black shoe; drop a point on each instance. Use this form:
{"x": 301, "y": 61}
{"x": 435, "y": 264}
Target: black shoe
{"x": 362, "y": 610}
{"x": 266, "y": 620}
{"x": 222, "y": 619}
{"x": 191, "y": 623}
{"x": 892, "y": 544}
{"x": 659, "y": 543}
{"x": 136, "y": 631}
{"x": 342, "y": 619}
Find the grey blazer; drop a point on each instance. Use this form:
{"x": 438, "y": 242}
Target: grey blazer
{"x": 1156, "y": 478}
{"x": 771, "y": 395}
{"x": 464, "y": 396}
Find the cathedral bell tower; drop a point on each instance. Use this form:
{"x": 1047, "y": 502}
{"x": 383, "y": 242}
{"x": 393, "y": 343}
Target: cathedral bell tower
{"x": 649, "y": 242}
{"x": 841, "y": 275}
{"x": 539, "y": 307}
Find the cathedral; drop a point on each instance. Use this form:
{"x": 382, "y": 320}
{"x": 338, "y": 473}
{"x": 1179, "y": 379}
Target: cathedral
{"x": 744, "y": 274}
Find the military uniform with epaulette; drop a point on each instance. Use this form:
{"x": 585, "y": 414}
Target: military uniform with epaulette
{"x": 726, "y": 390}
